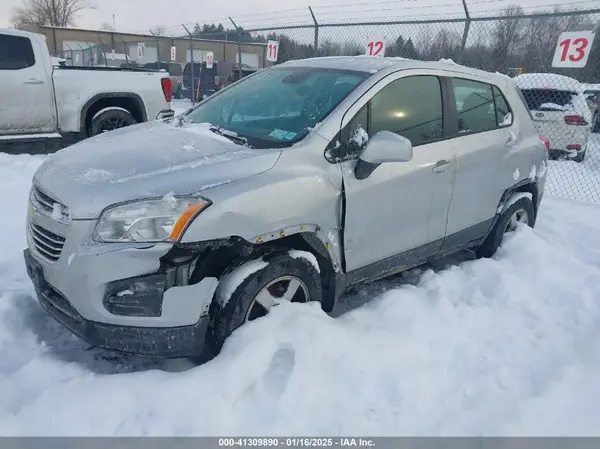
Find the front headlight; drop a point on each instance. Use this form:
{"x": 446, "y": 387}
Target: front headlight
{"x": 149, "y": 221}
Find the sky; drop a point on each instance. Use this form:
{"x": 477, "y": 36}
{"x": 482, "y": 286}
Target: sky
{"x": 141, "y": 15}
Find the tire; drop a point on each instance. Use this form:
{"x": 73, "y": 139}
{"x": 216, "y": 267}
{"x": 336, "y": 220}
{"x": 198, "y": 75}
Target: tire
{"x": 111, "y": 119}
{"x": 242, "y": 305}
{"x": 580, "y": 157}
{"x": 504, "y": 226}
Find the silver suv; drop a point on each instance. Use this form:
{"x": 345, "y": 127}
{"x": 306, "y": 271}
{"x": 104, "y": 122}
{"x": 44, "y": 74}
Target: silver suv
{"x": 291, "y": 185}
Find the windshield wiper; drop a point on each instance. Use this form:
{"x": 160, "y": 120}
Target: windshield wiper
{"x": 231, "y": 135}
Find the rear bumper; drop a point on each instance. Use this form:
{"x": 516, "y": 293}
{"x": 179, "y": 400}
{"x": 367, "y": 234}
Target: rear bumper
{"x": 565, "y": 154}
{"x": 159, "y": 342}
{"x": 165, "y": 113}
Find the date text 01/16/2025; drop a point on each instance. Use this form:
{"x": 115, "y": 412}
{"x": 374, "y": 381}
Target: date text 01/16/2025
{"x": 295, "y": 442}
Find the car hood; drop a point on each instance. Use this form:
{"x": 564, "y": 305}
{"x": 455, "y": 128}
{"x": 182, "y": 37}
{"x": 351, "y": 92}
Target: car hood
{"x": 145, "y": 161}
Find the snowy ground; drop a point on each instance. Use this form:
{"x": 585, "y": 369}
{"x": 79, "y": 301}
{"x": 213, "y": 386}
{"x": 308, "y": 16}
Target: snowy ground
{"x": 504, "y": 346}
{"x": 577, "y": 181}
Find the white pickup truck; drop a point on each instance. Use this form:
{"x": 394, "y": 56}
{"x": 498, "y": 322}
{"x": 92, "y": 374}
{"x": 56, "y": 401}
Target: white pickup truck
{"x": 56, "y": 105}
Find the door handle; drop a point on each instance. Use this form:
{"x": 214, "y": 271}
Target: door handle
{"x": 34, "y": 81}
{"x": 441, "y": 166}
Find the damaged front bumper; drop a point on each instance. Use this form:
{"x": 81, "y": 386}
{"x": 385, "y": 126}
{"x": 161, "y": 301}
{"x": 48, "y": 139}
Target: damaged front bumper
{"x": 134, "y": 313}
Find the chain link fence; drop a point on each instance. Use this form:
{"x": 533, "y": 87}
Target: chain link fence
{"x": 183, "y": 57}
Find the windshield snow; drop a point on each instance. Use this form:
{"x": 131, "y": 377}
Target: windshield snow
{"x": 276, "y": 108}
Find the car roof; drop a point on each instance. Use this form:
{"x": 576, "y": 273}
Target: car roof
{"x": 548, "y": 81}
{"x": 374, "y": 64}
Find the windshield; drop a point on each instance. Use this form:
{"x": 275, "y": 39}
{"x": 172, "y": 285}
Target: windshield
{"x": 277, "y": 107}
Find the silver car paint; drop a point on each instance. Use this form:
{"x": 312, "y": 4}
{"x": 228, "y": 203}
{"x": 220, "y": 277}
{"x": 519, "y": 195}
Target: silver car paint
{"x": 144, "y": 161}
{"x": 262, "y": 195}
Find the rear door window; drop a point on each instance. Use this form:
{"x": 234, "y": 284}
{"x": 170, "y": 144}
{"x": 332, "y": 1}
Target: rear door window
{"x": 16, "y": 52}
{"x": 474, "y": 106}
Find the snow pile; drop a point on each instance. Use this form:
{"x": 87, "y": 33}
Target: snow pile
{"x": 501, "y": 346}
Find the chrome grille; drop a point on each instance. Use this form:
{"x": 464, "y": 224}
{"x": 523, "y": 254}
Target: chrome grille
{"x": 48, "y": 206}
{"x": 47, "y": 244}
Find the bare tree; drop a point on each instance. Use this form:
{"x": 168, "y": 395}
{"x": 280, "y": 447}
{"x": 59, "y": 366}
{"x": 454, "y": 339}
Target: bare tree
{"x": 107, "y": 27}
{"x": 48, "y": 12}
{"x": 329, "y": 47}
{"x": 507, "y": 35}
{"x": 445, "y": 45}
{"x": 478, "y": 54}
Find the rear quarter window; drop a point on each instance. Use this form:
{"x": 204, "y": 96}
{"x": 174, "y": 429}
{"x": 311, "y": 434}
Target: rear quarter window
{"x": 524, "y": 102}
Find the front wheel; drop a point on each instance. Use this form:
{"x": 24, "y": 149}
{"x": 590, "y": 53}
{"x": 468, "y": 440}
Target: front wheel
{"x": 110, "y": 119}
{"x": 521, "y": 212}
{"x": 251, "y": 290}
{"x": 580, "y": 156}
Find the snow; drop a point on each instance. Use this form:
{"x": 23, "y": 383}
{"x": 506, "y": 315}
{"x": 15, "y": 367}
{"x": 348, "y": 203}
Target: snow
{"x": 360, "y": 136}
{"x": 448, "y": 61}
{"x": 548, "y": 81}
{"x": 57, "y": 213}
{"x": 592, "y": 87}
{"x": 125, "y": 293}
{"x": 552, "y": 106}
{"x": 309, "y": 257}
{"x": 533, "y": 173}
{"x": 231, "y": 281}
{"x": 171, "y": 199}
{"x": 506, "y": 121}
{"x": 212, "y": 186}
{"x": 501, "y": 346}
{"x": 516, "y": 174}
{"x": 111, "y": 108}
{"x": 516, "y": 197}
{"x": 95, "y": 175}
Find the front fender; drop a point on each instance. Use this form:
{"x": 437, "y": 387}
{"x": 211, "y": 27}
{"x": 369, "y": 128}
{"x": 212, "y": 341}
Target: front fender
{"x": 272, "y": 206}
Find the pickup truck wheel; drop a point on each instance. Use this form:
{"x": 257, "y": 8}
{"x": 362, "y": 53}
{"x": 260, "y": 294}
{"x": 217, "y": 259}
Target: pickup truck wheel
{"x": 521, "y": 212}
{"x": 111, "y": 119}
{"x": 282, "y": 278}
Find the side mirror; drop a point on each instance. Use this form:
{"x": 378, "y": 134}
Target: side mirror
{"x": 385, "y": 146}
